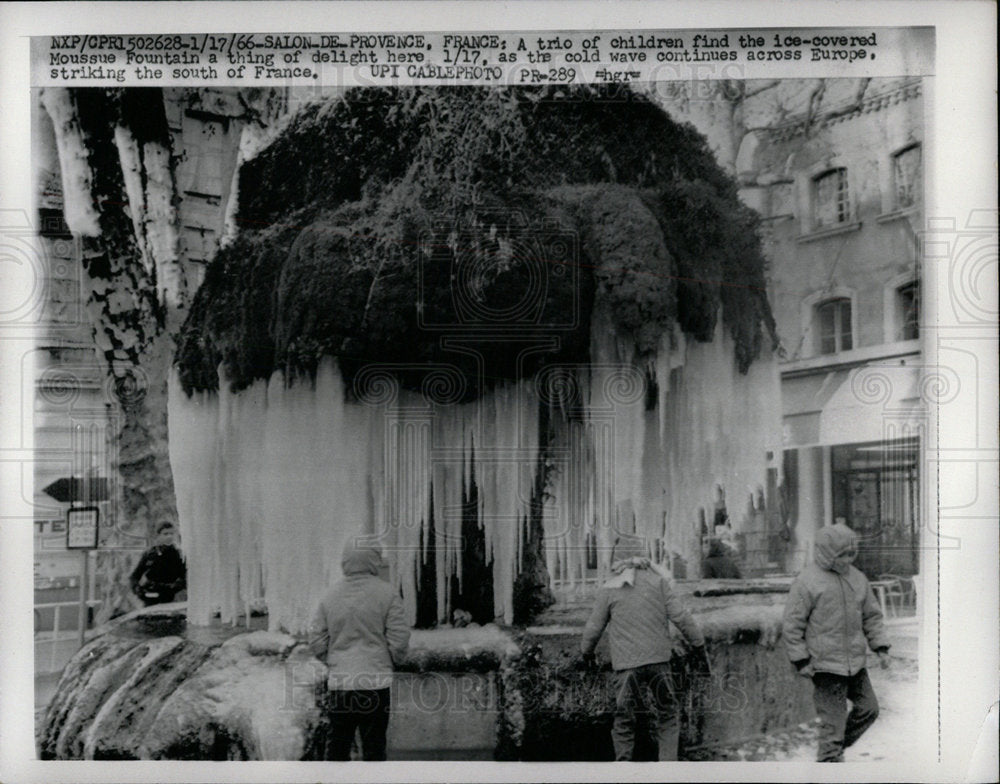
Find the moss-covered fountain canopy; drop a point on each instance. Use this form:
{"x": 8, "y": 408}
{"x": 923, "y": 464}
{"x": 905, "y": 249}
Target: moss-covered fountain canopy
{"x": 382, "y": 224}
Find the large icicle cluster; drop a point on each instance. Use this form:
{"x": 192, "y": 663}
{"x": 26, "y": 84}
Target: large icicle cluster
{"x": 379, "y": 222}
{"x": 273, "y": 480}
{"x": 429, "y": 453}
{"x": 657, "y": 469}
{"x": 270, "y": 485}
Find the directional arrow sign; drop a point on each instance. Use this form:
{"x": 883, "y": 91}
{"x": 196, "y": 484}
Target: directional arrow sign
{"x": 71, "y": 489}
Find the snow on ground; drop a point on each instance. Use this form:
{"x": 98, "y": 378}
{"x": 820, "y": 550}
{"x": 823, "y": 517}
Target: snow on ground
{"x": 890, "y": 739}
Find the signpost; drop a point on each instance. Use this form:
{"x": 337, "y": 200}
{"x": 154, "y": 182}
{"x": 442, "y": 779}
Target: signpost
{"x": 81, "y": 534}
{"x": 70, "y": 489}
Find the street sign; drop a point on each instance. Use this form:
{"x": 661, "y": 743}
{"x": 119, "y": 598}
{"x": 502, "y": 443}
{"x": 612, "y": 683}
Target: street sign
{"x": 81, "y": 528}
{"x": 71, "y": 489}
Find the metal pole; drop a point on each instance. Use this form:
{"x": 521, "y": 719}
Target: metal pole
{"x": 84, "y": 582}
{"x": 56, "y": 620}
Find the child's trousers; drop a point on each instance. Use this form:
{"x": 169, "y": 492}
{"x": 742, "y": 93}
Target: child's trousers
{"x": 838, "y": 728}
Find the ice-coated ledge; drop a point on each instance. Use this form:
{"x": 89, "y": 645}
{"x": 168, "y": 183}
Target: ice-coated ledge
{"x": 149, "y": 686}
{"x": 469, "y": 648}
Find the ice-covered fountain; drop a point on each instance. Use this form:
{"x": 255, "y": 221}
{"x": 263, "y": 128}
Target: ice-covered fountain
{"x": 488, "y": 330}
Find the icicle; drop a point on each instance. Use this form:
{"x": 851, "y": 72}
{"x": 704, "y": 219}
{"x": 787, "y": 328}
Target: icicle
{"x": 271, "y": 482}
{"x": 408, "y": 461}
{"x": 717, "y": 428}
{"x": 192, "y": 447}
{"x": 251, "y": 502}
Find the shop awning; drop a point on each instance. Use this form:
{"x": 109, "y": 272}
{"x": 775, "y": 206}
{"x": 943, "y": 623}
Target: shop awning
{"x": 873, "y": 402}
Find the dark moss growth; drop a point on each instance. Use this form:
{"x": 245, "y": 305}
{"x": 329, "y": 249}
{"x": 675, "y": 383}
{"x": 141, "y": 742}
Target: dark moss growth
{"x": 450, "y": 661}
{"x": 380, "y": 222}
{"x": 153, "y": 626}
{"x": 726, "y": 588}
{"x": 531, "y": 593}
{"x": 233, "y": 311}
{"x": 552, "y": 710}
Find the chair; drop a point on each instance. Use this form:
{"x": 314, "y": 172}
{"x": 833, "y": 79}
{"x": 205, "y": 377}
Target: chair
{"x": 908, "y": 585}
{"x": 894, "y": 592}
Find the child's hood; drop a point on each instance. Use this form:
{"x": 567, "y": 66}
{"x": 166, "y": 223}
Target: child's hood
{"x": 831, "y": 541}
{"x": 360, "y": 560}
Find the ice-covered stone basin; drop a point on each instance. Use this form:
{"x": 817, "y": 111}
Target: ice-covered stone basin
{"x": 567, "y": 712}
{"x": 151, "y": 687}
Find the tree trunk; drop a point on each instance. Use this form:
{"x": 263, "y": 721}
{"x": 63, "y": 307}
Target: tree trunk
{"x": 117, "y": 171}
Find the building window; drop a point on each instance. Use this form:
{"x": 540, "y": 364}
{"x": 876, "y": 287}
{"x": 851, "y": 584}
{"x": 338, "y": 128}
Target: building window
{"x": 834, "y": 319}
{"x": 906, "y": 176}
{"x": 831, "y": 200}
{"x": 908, "y": 302}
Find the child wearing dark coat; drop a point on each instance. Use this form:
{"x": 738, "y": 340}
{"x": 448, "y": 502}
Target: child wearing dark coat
{"x": 160, "y": 574}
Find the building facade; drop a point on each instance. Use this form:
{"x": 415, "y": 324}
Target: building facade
{"x": 840, "y": 188}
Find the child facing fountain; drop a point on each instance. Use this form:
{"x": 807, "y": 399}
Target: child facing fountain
{"x": 831, "y": 618}
{"x": 637, "y": 606}
{"x": 360, "y": 630}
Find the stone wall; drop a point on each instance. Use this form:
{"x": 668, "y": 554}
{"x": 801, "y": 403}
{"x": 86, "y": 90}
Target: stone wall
{"x": 555, "y": 710}
{"x": 151, "y": 687}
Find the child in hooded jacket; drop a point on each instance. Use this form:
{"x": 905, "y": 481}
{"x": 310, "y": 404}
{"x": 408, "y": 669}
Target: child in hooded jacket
{"x": 638, "y": 606}
{"x": 361, "y": 631}
{"x": 831, "y": 618}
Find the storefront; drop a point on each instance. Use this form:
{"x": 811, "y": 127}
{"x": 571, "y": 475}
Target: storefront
{"x": 853, "y": 439}
{"x": 876, "y": 492}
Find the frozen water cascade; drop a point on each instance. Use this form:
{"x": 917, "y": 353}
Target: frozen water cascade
{"x": 611, "y": 418}
{"x": 272, "y": 480}
{"x": 629, "y": 468}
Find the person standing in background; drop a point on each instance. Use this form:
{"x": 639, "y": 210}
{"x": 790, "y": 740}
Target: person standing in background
{"x": 719, "y": 563}
{"x": 360, "y": 631}
{"x": 160, "y": 574}
{"x": 830, "y": 619}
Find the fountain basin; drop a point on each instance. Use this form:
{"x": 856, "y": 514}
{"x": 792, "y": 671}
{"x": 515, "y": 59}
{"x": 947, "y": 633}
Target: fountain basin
{"x": 152, "y": 687}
